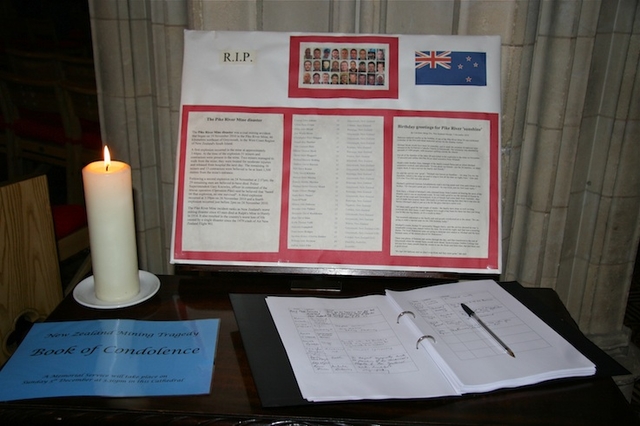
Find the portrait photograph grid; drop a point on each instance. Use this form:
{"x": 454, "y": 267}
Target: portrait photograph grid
{"x": 340, "y": 66}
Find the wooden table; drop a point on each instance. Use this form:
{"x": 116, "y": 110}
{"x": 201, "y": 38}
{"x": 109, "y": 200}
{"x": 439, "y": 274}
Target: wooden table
{"x": 234, "y": 401}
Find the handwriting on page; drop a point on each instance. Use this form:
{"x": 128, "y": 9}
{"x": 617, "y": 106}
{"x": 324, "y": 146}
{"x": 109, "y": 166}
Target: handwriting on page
{"x": 465, "y": 337}
{"x": 350, "y": 340}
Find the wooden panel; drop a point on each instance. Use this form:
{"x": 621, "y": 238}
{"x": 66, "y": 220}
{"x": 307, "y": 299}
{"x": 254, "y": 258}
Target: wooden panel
{"x": 29, "y": 271}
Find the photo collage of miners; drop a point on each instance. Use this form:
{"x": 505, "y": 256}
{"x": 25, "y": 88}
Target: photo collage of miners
{"x": 343, "y": 65}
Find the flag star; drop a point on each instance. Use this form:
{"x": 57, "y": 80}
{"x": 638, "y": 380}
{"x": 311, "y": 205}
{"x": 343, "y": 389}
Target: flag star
{"x": 475, "y": 65}
{"x": 468, "y": 79}
{"x": 468, "y": 58}
{"x": 460, "y": 66}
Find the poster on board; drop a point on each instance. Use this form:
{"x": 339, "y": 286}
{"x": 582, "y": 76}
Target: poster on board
{"x": 372, "y": 152}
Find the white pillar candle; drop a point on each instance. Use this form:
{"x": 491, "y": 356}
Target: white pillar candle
{"x": 109, "y": 200}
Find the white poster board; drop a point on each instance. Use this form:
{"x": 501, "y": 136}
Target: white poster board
{"x": 372, "y": 152}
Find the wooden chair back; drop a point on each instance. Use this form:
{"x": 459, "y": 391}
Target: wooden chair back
{"x": 78, "y": 70}
{"x": 40, "y": 125}
{"x": 82, "y": 105}
{"x": 41, "y": 32}
{"x": 30, "y": 96}
{"x": 30, "y": 286}
{"x": 35, "y": 65}
{"x": 84, "y": 119}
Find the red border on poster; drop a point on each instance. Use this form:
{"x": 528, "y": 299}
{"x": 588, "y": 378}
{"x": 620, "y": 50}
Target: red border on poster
{"x": 353, "y": 259}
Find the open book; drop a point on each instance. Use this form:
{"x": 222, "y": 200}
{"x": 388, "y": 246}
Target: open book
{"x": 419, "y": 343}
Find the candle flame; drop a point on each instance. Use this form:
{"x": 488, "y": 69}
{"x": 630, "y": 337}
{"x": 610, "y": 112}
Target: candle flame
{"x": 107, "y": 158}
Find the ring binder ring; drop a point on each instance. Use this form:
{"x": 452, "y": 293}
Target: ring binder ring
{"x": 402, "y": 313}
{"x": 427, "y": 336}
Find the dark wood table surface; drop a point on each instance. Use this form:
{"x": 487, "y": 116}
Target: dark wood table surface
{"x": 234, "y": 400}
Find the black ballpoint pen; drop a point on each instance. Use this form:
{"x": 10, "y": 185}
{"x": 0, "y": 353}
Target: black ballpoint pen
{"x": 472, "y": 314}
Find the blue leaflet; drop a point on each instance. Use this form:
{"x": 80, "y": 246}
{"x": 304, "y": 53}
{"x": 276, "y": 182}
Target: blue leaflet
{"x": 112, "y": 358}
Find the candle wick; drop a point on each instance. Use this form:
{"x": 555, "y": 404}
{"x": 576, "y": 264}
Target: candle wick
{"x": 107, "y": 168}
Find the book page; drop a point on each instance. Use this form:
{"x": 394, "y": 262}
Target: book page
{"x": 350, "y": 349}
{"x": 441, "y": 181}
{"x": 469, "y": 356}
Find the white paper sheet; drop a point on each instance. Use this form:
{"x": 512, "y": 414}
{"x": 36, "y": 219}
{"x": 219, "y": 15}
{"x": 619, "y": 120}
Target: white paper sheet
{"x": 353, "y": 349}
{"x": 419, "y": 344}
{"x": 471, "y": 358}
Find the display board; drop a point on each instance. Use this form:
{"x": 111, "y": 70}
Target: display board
{"x": 361, "y": 152}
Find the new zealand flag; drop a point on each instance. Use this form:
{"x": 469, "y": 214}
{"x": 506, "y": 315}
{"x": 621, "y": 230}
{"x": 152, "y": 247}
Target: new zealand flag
{"x": 451, "y": 68}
